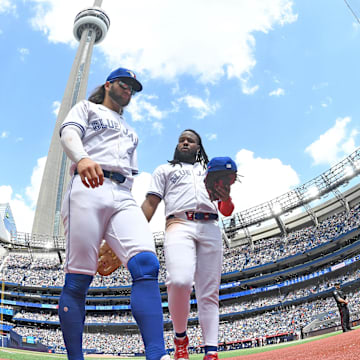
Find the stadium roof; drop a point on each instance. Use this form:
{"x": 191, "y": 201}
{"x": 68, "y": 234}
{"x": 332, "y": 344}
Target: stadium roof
{"x": 329, "y": 181}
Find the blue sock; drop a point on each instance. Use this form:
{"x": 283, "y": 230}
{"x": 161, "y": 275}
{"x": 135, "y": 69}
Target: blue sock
{"x": 210, "y": 348}
{"x": 72, "y": 313}
{"x": 146, "y": 303}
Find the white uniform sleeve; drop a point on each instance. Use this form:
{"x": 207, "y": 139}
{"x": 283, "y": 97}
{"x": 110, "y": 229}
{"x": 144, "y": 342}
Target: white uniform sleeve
{"x": 158, "y": 183}
{"x": 72, "y": 144}
{"x": 134, "y": 163}
{"x": 77, "y": 116}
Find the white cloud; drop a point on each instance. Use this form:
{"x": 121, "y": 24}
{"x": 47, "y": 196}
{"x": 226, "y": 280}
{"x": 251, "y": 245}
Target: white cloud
{"x": 24, "y": 208}
{"x": 4, "y": 134}
{"x": 263, "y": 180}
{"x": 5, "y": 193}
{"x": 7, "y": 6}
{"x": 211, "y": 137}
{"x": 158, "y": 127}
{"x": 56, "y": 107}
{"x": 202, "y": 107}
{"x": 215, "y": 41}
{"x": 23, "y": 214}
{"x": 336, "y": 143}
{"x": 175, "y": 89}
{"x": 141, "y": 109}
{"x": 277, "y": 92}
{"x": 23, "y": 53}
{"x": 139, "y": 190}
{"x": 349, "y": 145}
{"x": 32, "y": 191}
{"x": 247, "y": 90}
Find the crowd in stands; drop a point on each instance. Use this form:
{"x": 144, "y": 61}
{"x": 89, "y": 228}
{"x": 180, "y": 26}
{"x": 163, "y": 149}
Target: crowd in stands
{"x": 300, "y": 241}
{"x": 242, "y": 304}
{"x": 33, "y": 270}
{"x": 26, "y": 269}
{"x": 279, "y": 320}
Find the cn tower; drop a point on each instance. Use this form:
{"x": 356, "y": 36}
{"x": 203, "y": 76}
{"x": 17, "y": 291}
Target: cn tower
{"x": 90, "y": 27}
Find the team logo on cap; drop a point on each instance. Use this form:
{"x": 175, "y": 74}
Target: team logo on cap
{"x": 131, "y": 74}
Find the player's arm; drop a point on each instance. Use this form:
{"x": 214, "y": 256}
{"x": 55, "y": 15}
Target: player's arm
{"x": 150, "y": 205}
{"x": 343, "y": 301}
{"x": 339, "y": 298}
{"x": 225, "y": 205}
{"x": 90, "y": 172}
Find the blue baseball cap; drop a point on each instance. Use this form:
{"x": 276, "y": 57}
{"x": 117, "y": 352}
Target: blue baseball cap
{"x": 127, "y": 75}
{"x": 221, "y": 163}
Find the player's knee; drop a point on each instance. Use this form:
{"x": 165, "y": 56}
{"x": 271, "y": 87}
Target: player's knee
{"x": 181, "y": 282}
{"x": 77, "y": 284}
{"x": 144, "y": 265}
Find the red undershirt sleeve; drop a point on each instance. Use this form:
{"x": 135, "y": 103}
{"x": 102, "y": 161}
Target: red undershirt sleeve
{"x": 226, "y": 207}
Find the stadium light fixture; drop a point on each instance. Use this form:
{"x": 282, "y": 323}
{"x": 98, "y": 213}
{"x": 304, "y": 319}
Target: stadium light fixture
{"x": 276, "y": 209}
{"x": 349, "y": 172}
{"x": 356, "y": 164}
{"x": 312, "y": 192}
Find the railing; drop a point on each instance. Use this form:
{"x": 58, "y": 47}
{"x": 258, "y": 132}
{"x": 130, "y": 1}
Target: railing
{"x": 54, "y": 243}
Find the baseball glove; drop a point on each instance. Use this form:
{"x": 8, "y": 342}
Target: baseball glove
{"x": 108, "y": 262}
{"x": 221, "y": 174}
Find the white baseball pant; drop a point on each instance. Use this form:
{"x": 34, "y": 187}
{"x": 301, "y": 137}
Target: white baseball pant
{"x": 193, "y": 254}
{"x": 107, "y": 212}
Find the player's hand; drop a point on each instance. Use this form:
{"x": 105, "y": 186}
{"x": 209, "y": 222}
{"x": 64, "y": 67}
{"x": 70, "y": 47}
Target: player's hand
{"x": 222, "y": 190}
{"x": 90, "y": 172}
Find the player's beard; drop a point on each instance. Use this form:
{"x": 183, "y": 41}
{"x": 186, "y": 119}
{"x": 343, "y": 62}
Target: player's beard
{"x": 186, "y": 157}
{"x": 120, "y": 100}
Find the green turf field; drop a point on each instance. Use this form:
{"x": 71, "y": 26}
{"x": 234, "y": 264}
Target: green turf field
{"x": 7, "y": 353}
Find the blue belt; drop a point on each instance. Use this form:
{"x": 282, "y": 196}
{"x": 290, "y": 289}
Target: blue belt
{"x": 192, "y": 215}
{"x": 120, "y": 178}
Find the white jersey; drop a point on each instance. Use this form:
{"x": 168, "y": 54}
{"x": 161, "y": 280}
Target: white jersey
{"x": 106, "y": 137}
{"x": 182, "y": 188}
{"x": 192, "y": 249}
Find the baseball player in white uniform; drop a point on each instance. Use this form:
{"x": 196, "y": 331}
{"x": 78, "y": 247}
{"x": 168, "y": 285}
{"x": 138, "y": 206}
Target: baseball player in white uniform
{"x": 193, "y": 242}
{"x": 99, "y": 205}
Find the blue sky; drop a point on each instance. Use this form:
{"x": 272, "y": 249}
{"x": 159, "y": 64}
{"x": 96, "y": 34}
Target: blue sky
{"x": 272, "y": 83}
